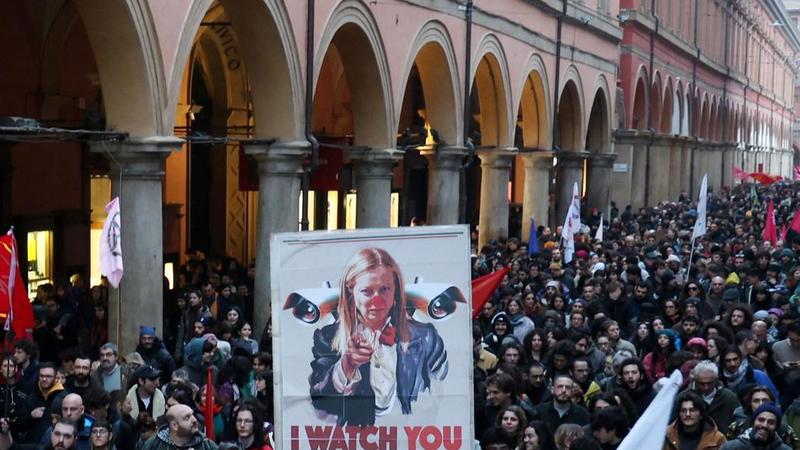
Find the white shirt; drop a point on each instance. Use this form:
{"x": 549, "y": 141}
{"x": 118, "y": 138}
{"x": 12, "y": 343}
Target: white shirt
{"x": 382, "y": 368}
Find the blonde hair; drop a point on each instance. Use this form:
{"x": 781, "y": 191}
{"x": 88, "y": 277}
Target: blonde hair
{"x": 566, "y": 433}
{"x": 365, "y": 260}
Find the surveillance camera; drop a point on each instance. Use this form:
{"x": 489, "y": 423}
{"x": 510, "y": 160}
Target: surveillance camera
{"x": 436, "y": 300}
{"x": 586, "y": 20}
{"x": 311, "y": 305}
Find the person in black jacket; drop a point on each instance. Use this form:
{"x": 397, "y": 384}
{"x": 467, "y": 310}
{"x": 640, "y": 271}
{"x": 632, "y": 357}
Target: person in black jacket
{"x": 155, "y": 353}
{"x": 45, "y": 399}
{"x": 561, "y": 410}
{"x": 12, "y": 398}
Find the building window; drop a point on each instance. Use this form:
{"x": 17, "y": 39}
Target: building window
{"x": 40, "y": 259}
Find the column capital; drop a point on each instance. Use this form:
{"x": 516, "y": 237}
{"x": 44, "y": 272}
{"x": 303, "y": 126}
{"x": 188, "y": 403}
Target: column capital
{"x": 537, "y": 159}
{"x": 141, "y": 158}
{"x": 572, "y": 158}
{"x": 497, "y": 157}
{"x": 446, "y": 157}
{"x": 603, "y": 159}
{"x": 374, "y": 164}
{"x": 279, "y": 158}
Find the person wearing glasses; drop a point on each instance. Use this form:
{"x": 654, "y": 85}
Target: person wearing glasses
{"x": 693, "y": 429}
{"x": 102, "y": 436}
{"x": 250, "y": 428}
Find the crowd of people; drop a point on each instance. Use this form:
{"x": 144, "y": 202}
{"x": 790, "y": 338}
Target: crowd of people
{"x": 568, "y": 353}
{"x": 70, "y": 388}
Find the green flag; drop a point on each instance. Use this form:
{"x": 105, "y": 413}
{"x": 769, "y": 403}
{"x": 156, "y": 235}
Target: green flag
{"x": 754, "y": 196}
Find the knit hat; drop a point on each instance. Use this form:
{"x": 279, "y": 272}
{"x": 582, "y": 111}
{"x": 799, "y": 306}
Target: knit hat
{"x": 147, "y": 331}
{"x": 760, "y": 315}
{"x": 776, "y": 311}
{"x": 672, "y": 335}
{"x": 697, "y": 341}
{"x": 770, "y": 408}
{"x": 500, "y": 317}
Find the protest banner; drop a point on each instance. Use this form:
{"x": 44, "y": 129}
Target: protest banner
{"x": 372, "y": 340}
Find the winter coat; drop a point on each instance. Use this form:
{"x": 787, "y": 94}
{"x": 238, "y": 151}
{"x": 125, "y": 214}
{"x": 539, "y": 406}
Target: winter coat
{"x": 744, "y": 442}
{"x": 162, "y": 441}
{"x": 711, "y": 439}
{"x": 158, "y": 357}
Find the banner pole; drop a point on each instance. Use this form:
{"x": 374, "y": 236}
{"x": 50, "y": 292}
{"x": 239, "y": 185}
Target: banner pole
{"x": 691, "y": 256}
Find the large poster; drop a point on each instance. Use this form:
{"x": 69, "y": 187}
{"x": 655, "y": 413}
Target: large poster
{"x": 372, "y": 339}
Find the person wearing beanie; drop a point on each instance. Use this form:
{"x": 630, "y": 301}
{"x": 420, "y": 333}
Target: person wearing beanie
{"x": 763, "y": 434}
{"x": 693, "y": 429}
{"x": 655, "y": 362}
{"x": 154, "y": 353}
{"x": 501, "y": 334}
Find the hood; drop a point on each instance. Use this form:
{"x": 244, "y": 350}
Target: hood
{"x": 163, "y": 436}
{"x": 193, "y": 353}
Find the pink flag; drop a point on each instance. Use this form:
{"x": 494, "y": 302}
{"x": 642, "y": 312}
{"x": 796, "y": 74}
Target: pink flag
{"x": 111, "y": 244}
{"x": 739, "y": 174}
{"x": 770, "y": 230}
{"x": 797, "y": 172}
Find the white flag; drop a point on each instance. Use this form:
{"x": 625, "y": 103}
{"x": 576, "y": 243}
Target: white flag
{"x": 598, "y": 237}
{"x": 700, "y": 222}
{"x": 572, "y": 223}
{"x": 650, "y": 430}
{"x": 111, "y": 244}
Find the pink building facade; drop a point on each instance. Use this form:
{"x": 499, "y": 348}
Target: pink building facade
{"x": 706, "y": 85}
{"x": 205, "y": 117}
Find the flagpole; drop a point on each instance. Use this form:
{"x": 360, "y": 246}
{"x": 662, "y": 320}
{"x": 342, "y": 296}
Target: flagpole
{"x": 118, "y": 288}
{"x": 691, "y": 256}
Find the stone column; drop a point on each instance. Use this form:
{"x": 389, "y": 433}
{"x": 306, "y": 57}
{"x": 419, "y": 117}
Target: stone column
{"x": 598, "y": 192}
{"x": 280, "y": 166}
{"x": 137, "y": 173}
{"x": 535, "y": 201}
{"x": 444, "y": 170}
{"x": 570, "y": 171}
{"x": 373, "y": 171}
{"x": 495, "y": 172}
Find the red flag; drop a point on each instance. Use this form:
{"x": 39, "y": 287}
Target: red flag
{"x": 763, "y": 178}
{"x": 783, "y": 232}
{"x": 739, "y": 174}
{"x": 484, "y": 287}
{"x": 797, "y": 172}
{"x": 208, "y": 409}
{"x": 15, "y": 308}
{"x": 770, "y": 231}
{"x": 795, "y": 225}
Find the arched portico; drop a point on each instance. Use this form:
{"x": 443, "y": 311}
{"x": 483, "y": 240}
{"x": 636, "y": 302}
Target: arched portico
{"x": 430, "y": 110}
{"x": 492, "y": 133}
{"x": 535, "y": 161}
{"x": 569, "y": 141}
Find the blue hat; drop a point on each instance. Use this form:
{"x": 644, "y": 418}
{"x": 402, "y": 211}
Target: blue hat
{"x": 147, "y": 331}
{"x": 768, "y": 407}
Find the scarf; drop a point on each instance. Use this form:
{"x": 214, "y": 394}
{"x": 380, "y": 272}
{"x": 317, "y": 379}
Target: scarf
{"x": 734, "y": 379}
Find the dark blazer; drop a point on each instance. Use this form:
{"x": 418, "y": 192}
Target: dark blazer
{"x": 425, "y": 358}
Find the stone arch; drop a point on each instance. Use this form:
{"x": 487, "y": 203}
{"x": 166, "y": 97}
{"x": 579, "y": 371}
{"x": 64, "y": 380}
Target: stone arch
{"x": 534, "y": 105}
{"x": 352, "y": 31}
{"x": 656, "y": 106}
{"x": 686, "y": 113}
{"x": 713, "y": 120}
{"x": 129, "y": 64}
{"x": 268, "y": 48}
{"x": 669, "y": 106}
{"x": 705, "y": 116}
{"x": 569, "y": 127}
{"x": 490, "y": 77}
{"x": 432, "y": 52}
{"x": 641, "y": 101}
{"x": 598, "y": 136}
